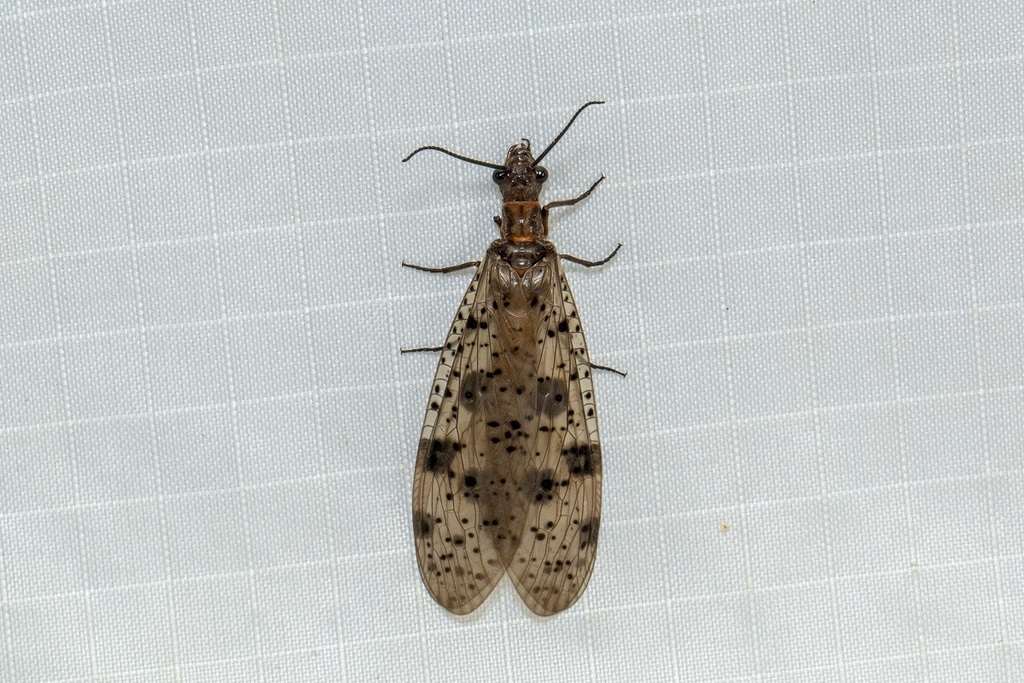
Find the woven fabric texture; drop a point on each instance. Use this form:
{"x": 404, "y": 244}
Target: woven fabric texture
{"x": 813, "y": 470}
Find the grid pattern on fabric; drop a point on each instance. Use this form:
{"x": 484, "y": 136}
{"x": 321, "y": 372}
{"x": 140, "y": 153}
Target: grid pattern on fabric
{"x": 812, "y": 471}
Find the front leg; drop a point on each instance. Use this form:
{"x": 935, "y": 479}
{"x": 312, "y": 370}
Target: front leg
{"x": 570, "y": 202}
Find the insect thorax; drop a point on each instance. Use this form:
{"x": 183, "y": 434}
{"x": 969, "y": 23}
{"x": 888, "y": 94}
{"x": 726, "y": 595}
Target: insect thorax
{"x": 521, "y": 256}
{"x": 523, "y": 221}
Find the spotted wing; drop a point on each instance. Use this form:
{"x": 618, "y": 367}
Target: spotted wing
{"x": 457, "y": 502}
{"x": 559, "y": 468}
{"x": 508, "y": 470}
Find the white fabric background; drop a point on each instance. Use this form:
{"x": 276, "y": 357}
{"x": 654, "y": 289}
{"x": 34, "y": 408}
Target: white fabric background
{"x": 813, "y": 469}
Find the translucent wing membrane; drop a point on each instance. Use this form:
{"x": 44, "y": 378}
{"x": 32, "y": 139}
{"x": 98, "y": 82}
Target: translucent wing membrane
{"x": 458, "y": 558}
{"x": 508, "y": 472}
{"x": 553, "y": 562}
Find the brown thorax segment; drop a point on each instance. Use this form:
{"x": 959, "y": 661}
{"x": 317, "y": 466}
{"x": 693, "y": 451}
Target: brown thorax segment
{"x": 523, "y": 221}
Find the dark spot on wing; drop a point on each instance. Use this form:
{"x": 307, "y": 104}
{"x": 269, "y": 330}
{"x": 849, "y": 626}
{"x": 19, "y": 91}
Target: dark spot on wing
{"x": 588, "y": 532}
{"x": 581, "y": 459}
{"x": 540, "y": 485}
{"x": 474, "y": 387}
{"x": 438, "y": 454}
{"x": 552, "y": 396}
{"x": 422, "y": 524}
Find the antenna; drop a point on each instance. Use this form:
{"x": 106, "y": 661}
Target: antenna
{"x": 559, "y": 136}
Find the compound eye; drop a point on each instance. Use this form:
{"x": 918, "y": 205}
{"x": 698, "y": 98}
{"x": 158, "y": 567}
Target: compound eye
{"x": 541, "y": 173}
{"x": 499, "y": 175}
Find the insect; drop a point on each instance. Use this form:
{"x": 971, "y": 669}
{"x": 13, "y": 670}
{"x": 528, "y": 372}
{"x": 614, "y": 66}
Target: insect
{"x": 508, "y": 471}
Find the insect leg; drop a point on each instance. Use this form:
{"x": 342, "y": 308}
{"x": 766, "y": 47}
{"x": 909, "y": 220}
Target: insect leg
{"x": 600, "y": 367}
{"x": 591, "y": 264}
{"x": 446, "y": 269}
{"x": 570, "y": 202}
{"x": 422, "y": 348}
